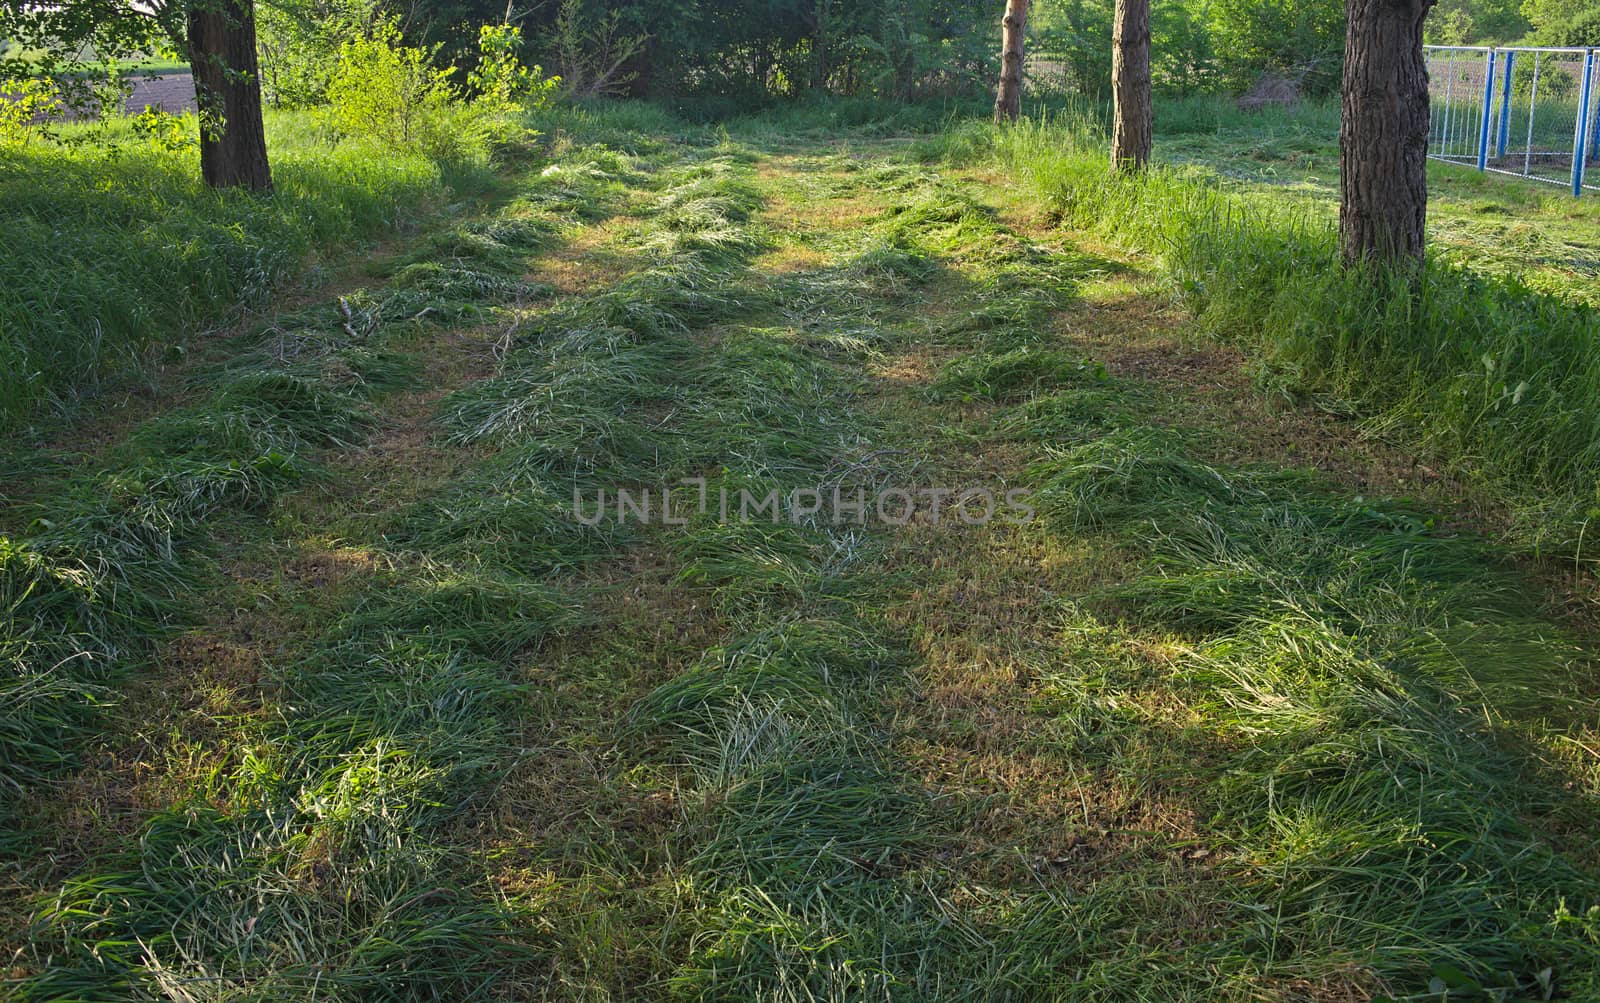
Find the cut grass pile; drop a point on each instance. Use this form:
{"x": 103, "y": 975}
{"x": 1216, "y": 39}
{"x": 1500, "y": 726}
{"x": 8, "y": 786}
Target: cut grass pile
{"x": 1382, "y": 705}
{"x": 325, "y": 868}
{"x": 92, "y": 582}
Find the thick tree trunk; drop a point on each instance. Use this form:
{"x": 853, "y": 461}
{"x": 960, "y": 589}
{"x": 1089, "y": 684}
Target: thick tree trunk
{"x": 1133, "y": 119}
{"x": 227, "y": 87}
{"x": 1008, "y": 97}
{"x": 1383, "y": 144}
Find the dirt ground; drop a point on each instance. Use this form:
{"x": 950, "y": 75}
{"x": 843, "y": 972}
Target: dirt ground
{"x": 172, "y": 92}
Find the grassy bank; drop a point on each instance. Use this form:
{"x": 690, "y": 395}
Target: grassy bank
{"x": 119, "y": 255}
{"x": 1493, "y": 377}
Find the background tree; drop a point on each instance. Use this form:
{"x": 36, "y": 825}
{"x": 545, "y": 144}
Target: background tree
{"x": 1132, "y": 117}
{"x": 1008, "y": 96}
{"x": 1383, "y": 143}
{"x": 1301, "y": 39}
{"x": 1476, "y": 22}
{"x": 1564, "y": 22}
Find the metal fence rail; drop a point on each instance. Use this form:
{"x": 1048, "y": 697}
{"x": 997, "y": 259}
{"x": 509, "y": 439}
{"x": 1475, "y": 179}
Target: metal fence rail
{"x": 1530, "y": 113}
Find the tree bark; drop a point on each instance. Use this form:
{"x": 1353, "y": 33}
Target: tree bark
{"x": 1008, "y": 96}
{"x": 227, "y": 88}
{"x": 1383, "y": 142}
{"x": 1133, "y": 118}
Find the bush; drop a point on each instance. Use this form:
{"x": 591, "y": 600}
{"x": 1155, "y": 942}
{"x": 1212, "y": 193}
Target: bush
{"x": 394, "y": 94}
{"x": 22, "y": 104}
{"x": 501, "y": 81}
{"x": 300, "y": 42}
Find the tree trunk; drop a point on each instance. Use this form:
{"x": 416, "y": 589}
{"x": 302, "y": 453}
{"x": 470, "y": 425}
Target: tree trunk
{"x": 1383, "y": 145}
{"x": 1008, "y": 97}
{"x": 1133, "y": 119}
{"x": 822, "y": 44}
{"x": 227, "y": 87}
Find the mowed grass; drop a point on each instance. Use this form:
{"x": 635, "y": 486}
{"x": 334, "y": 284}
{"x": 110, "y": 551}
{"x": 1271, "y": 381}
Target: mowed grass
{"x": 357, "y": 699}
{"x": 117, "y": 255}
{"x": 1486, "y": 369}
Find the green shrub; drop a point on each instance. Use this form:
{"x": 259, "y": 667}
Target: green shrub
{"x": 23, "y": 104}
{"x": 501, "y": 81}
{"x": 393, "y": 93}
{"x": 299, "y": 42}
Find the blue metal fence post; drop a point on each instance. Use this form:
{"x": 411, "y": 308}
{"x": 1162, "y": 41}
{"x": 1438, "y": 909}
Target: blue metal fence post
{"x": 1488, "y": 112}
{"x": 1505, "y": 105}
{"x": 1580, "y": 144}
{"x": 1594, "y": 99}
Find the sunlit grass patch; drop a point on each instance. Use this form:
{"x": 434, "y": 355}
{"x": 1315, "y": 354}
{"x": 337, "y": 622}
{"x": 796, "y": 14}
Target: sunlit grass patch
{"x": 259, "y": 903}
{"x": 452, "y": 293}
{"x": 319, "y": 873}
{"x": 793, "y": 669}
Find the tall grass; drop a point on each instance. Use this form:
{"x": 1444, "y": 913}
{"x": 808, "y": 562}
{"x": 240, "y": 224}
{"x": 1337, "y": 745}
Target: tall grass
{"x": 1497, "y": 381}
{"x": 114, "y": 249}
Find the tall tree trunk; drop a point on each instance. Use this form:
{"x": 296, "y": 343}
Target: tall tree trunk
{"x": 227, "y": 87}
{"x": 1133, "y": 119}
{"x": 1008, "y": 97}
{"x": 1383, "y": 144}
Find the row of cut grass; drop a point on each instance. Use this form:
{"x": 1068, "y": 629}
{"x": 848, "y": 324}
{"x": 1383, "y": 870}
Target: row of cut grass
{"x": 1362, "y": 714}
{"x": 100, "y": 562}
{"x": 332, "y": 861}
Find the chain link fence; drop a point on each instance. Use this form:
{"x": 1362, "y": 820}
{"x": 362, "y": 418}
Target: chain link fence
{"x": 1530, "y": 113}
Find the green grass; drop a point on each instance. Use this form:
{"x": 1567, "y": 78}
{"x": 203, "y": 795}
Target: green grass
{"x": 314, "y": 857}
{"x": 1205, "y": 729}
{"x": 1490, "y": 375}
{"x": 101, "y": 565}
{"x": 129, "y": 256}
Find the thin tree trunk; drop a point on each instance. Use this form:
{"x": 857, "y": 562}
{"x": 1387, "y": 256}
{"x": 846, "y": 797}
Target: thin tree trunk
{"x": 1383, "y": 144}
{"x": 1133, "y": 119}
{"x": 227, "y": 87}
{"x": 823, "y": 44}
{"x": 1008, "y": 96}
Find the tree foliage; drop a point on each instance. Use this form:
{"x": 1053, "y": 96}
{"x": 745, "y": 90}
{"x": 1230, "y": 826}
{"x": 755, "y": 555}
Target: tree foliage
{"x": 1564, "y": 22}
